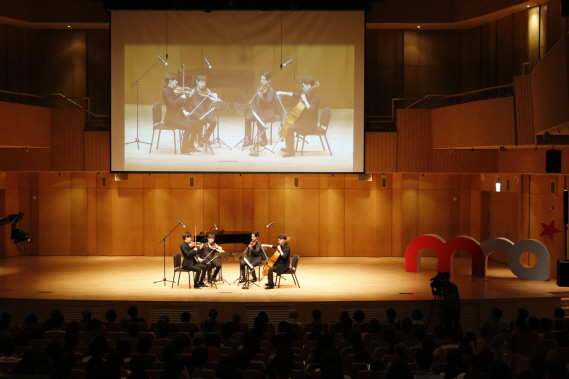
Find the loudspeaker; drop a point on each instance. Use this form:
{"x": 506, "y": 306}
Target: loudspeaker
{"x": 562, "y": 273}
{"x": 553, "y": 161}
{"x": 564, "y": 8}
{"x": 565, "y": 207}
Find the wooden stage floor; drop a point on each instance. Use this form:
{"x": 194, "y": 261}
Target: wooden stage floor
{"x": 322, "y": 280}
{"x": 41, "y": 284}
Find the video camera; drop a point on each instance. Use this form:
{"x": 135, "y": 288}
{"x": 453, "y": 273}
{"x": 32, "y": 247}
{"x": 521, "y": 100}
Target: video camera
{"x": 437, "y": 284}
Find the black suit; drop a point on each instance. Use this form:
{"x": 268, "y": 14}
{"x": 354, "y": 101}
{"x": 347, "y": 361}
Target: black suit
{"x": 205, "y": 252}
{"x": 189, "y": 262}
{"x": 175, "y": 118}
{"x": 307, "y": 122}
{"x": 282, "y": 264}
{"x": 199, "y": 107}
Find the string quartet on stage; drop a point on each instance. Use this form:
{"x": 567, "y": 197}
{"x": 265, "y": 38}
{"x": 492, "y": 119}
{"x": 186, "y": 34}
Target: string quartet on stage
{"x": 205, "y": 259}
{"x": 195, "y": 112}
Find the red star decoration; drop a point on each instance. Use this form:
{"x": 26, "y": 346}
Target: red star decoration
{"x": 549, "y": 230}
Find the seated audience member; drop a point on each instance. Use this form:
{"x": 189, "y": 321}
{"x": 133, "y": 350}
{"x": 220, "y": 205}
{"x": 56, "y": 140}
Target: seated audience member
{"x": 424, "y": 361}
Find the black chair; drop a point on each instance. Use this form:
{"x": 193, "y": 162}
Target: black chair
{"x": 320, "y": 131}
{"x": 291, "y": 271}
{"x": 160, "y": 126}
{"x": 179, "y": 269}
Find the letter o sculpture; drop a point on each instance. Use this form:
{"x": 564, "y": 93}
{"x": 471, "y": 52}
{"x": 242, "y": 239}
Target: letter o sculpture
{"x": 538, "y": 272}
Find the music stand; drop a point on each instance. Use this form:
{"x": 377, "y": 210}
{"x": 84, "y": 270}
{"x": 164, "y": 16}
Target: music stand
{"x": 249, "y": 268}
{"x": 137, "y": 82}
{"x": 220, "y": 107}
{"x": 244, "y": 109}
{"x": 254, "y": 152}
{"x": 238, "y": 257}
{"x": 220, "y": 256}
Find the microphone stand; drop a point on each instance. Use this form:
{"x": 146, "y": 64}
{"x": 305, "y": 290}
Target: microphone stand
{"x": 164, "y": 242}
{"x": 137, "y": 82}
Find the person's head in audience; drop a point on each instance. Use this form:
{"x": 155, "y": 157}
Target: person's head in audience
{"x": 496, "y": 314}
{"x": 388, "y": 335}
{"x": 441, "y": 332}
{"x": 111, "y": 315}
{"x": 137, "y": 366}
{"x": 533, "y": 324}
{"x": 133, "y": 330}
{"x": 545, "y": 325}
{"x": 162, "y": 328}
{"x": 399, "y": 370}
{"x": 199, "y": 357}
{"x": 243, "y": 359}
{"x": 165, "y": 318}
{"x": 346, "y": 325}
{"x": 559, "y": 312}
{"x": 5, "y": 321}
{"x": 316, "y": 314}
{"x": 499, "y": 370}
{"x": 98, "y": 346}
{"x": 95, "y": 325}
{"x": 402, "y": 353}
{"x": 259, "y": 324}
{"x": 212, "y": 313}
{"x": 391, "y": 315}
{"x": 482, "y": 361}
{"x": 133, "y": 313}
{"x": 236, "y": 318}
{"x": 143, "y": 345}
{"x": 284, "y": 327}
{"x": 209, "y": 325}
{"x": 72, "y": 328}
{"x": 86, "y": 314}
{"x": 343, "y": 315}
{"x": 374, "y": 326}
{"x": 31, "y": 319}
{"x": 124, "y": 347}
{"x": 57, "y": 319}
{"x": 558, "y": 325}
{"x": 185, "y": 316}
{"x": 264, "y": 317}
{"x": 523, "y": 314}
{"x": 424, "y": 360}
{"x": 293, "y": 315}
{"x": 359, "y": 316}
{"x": 420, "y": 335}
{"x": 416, "y": 315}
{"x": 227, "y": 368}
{"x": 406, "y": 325}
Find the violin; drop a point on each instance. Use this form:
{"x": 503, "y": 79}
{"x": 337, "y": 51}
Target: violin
{"x": 265, "y": 88}
{"x": 180, "y": 90}
{"x": 216, "y": 247}
{"x": 208, "y": 94}
{"x": 295, "y": 113}
{"x": 195, "y": 244}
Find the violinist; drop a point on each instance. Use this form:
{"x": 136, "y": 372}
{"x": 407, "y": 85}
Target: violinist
{"x": 175, "y": 112}
{"x": 205, "y": 256}
{"x": 283, "y": 262}
{"x": 254, "y": 254}
{"x": 201, "y": 97}
{"x": 307, "y": 122}
{"x": 189, "y": 251}
{"x": 265, "y": 108}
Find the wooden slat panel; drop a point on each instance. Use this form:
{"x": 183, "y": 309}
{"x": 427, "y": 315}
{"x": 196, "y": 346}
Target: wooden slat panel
{"x": 301, "y": 219}
{"x": 478, "y": 123}
{"x": 524, "y": 110}
{"x": 25, "y": 125}
{"x": 464, "y": 161}
{"x": 55, "y": 208}
{"x": 381, "y": 152}
{"x": 97, "y": 151}
{"x": 336, "y": 213}
{"x": 68, "y": 140}
{"x": 414, "y": 140}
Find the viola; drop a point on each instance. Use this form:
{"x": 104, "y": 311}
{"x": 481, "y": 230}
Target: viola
{"x": 179, "y": 90}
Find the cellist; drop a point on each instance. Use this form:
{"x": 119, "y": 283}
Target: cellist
{"x": 282, "y": 262}
{"x": 307, "y": 120}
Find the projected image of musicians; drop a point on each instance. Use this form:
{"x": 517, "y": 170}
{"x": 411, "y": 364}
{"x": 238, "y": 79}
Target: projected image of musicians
{"x": 176, "y": 116}
{"x": 307, "y": 111}
{"x": 201, "y": 98}
{"x": 265, "y": 110}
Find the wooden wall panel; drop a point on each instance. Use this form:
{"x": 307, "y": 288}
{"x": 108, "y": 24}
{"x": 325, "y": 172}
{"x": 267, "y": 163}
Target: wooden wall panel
{"x": 55, "y": 210}
{"x": 128, "y": 219}
{"x": 414, "y": 140}
{"x": 381, "y": 152}
{"x": 24, "y": 126}
{"x": 474, "y": 124}
{"x": 437, "y": 211}
{"x": 336, "y": 222}
{"x": 550, "y": 93}
{"x": 4, "y": 234}
{"x": 464, "y": 161}
{"x": 361, "y": 208}
{"x": 505, "y": 50}
{"x": 68, "y": 140}
{"x": 277, "y": 215}
{"x": 542, "y": 212}
{"x": 409, "y": 219}
{"x": 301, "y": 219}
{"x": 79, "y": 222}
{"x": 384, "y": 222}
{"x": 104, "y": 222}
{"x": 524, "y": 110}
{"x": 97, "y": 151}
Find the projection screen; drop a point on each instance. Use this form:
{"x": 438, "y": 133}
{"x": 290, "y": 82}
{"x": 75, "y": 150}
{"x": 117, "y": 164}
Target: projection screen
{"x": 190, "y": 79}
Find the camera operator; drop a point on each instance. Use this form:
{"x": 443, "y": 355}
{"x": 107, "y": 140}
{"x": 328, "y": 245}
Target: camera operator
{"x": 450, "y": 316}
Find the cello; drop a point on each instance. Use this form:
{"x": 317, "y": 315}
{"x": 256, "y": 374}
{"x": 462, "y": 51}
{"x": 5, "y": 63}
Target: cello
{"x": 273, "y": 259}
{"x": 294, "y": 114}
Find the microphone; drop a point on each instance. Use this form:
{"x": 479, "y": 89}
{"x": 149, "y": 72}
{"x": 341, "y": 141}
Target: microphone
{"x": 208, "y": 65}
{"x": 215, "y": 226}
{"x": 270, "y": 224}
{"x": 163, "y": 61}
{"x": 284, "y": 64}
{"x": 180, "y": 222}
